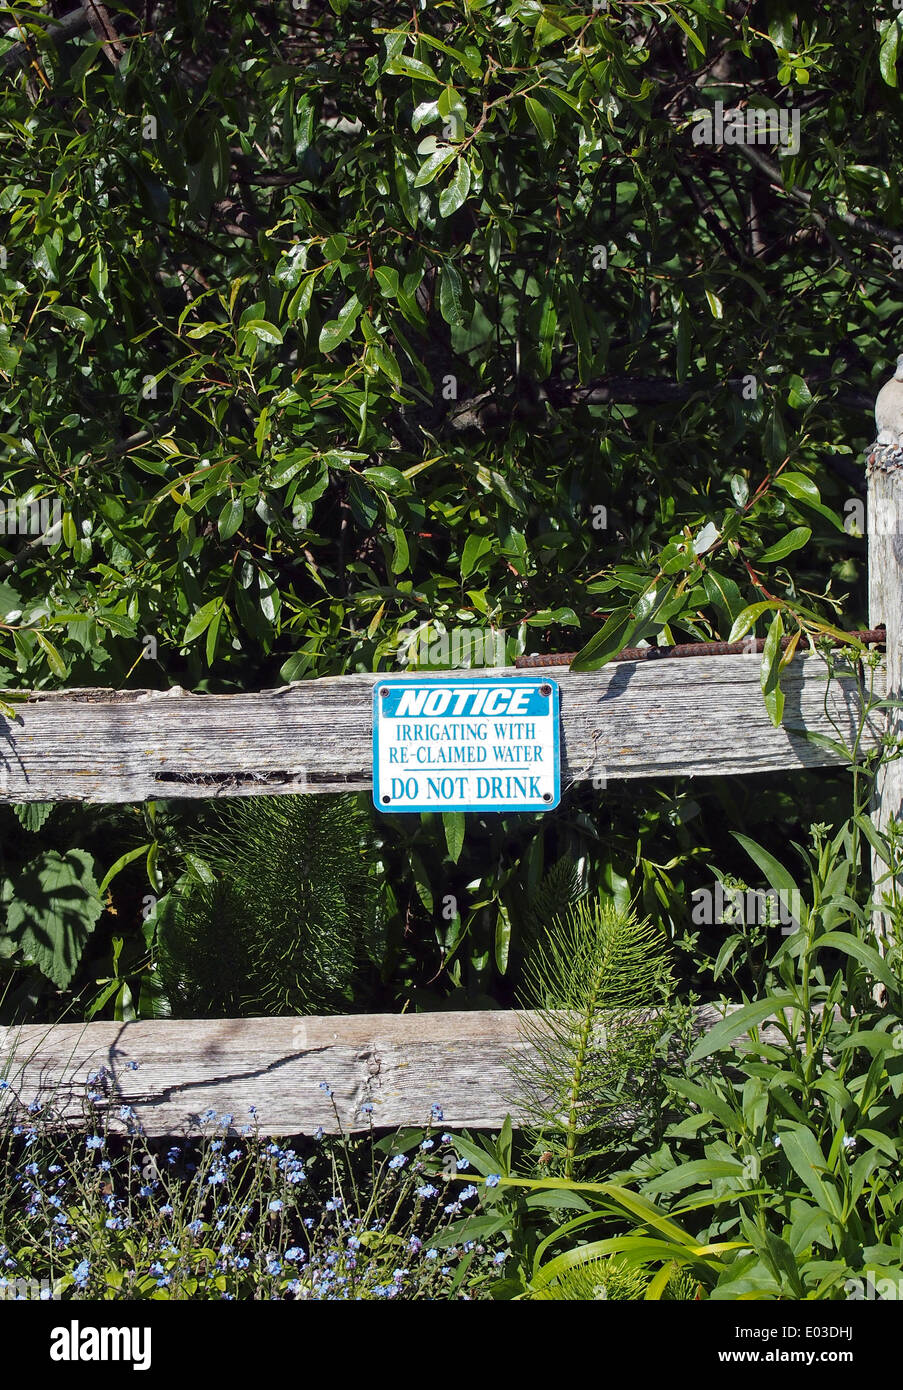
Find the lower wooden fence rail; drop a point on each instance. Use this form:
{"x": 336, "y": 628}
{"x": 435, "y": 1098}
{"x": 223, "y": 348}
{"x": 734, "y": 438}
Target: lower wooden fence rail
{"x": 401, "y": 1064}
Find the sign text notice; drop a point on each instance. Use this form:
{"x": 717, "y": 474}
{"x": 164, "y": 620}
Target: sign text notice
{"x": 466, "y": 744}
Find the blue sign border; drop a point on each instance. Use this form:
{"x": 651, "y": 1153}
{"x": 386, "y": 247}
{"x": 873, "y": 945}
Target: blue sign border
{"x": 454, "y": 678}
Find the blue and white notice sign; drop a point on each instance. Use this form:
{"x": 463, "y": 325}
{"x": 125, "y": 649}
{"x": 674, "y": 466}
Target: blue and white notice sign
{"x": 480, "y": 744}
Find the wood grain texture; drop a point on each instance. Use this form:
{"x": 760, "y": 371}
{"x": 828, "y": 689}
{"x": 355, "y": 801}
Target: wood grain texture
{"x": 401, "y": 1064}
{"x": 885, "y": 552}
{"x": 692, "y": 717}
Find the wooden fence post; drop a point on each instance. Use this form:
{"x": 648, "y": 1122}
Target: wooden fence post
{"x": 885, "y": 564}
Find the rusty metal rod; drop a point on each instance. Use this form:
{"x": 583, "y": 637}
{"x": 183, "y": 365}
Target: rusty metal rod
{"x": 875, "y": 637}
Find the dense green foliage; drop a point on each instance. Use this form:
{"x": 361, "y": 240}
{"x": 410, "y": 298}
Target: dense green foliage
{"x": 285, "y": 891}
{"x": 323, "y": 323}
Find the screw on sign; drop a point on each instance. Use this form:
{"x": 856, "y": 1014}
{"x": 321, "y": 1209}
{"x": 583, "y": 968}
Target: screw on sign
{"x": 481, "y": 744}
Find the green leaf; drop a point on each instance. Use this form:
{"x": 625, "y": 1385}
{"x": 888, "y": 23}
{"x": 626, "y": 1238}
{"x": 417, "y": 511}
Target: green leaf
{"x": 798, "y": 395}
{"x": 54, "y": 660}
{"x": 808, "y": 1162}
{"x": 120, "y": 864}
{"x": 9, "y": 355}
{"x": 54, "y": 909}
{"x": 202, "y": 619}
{"x": 386, "y": 479}
{"x": 32, "y": 815}
{"x": 266, "y": 332}
{"x": 541, "y": 118}
{"x": 778, "y": 877}
{"x": 451, "y": 198}
{"x": 740, "y": 1021}
{"x": 401, "y": 555}
{"x": 502, "y": 938}
{"x": 75, "y": 318}
{"x": 230, "y": 518}
{"x": 887, "y": 55}
{"x": 715, "y": 305}
{"x": 475, "y": 547}
{"x": 745, "y": 620}
{"x": 433, "y": 165}
{"x": 771, "y": 671}
{"x": 403, "y": 66}
{"x": 606, "y": 643}
{"x": 794, "y": 540}
{"x": 867, "y": 956}
{"x": 335, "y": 331}
{"x": 548, "y": 327}
{"x": 698, "y": 1171}
{"x": 451, "y": 299}
{"x": 690, "y": 33}
{"x": 453, "y": 823}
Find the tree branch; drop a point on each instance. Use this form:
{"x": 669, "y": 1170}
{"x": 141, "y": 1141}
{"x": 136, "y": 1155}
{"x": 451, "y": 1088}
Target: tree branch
{"x": 830, "y": 209}
{"x": 59, "y": 31}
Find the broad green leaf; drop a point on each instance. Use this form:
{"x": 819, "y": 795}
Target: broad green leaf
{"x": 433, "y": 165}
{"x": 778, "y": 877}
{"x": 266, "y": 332}
{"x": 887, "y": 54}
{"x": 451, "y": 299}
{"x": 810, "y": 1165}
{"x": 747, "y": 619}
{"x": 53, "y": 912}
{"x": 699, "y": 1171}
{"x": 230, "y": 518}
{"x": 794, "y": 540}
{"x": 403, "y": 66}
{"x": 607, "y": 642}
{"x": 32, "y": 815}
{"x": 386, "y": 479}
{"x": 202, "y": 619}
{"x": 738, "y": 1022}
{"x": 541, "y": 118}
{"x": 866, "y": 955}
{"x": 54, "y": 660}
{"x": 335, "y": 331}
{"x": 452, "y": 197}
{"x": 475, "y": 548}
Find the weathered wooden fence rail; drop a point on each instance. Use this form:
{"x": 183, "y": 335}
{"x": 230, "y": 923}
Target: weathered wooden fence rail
{"x": 694, "y": 717}
{"x": 401, "y": 1064}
